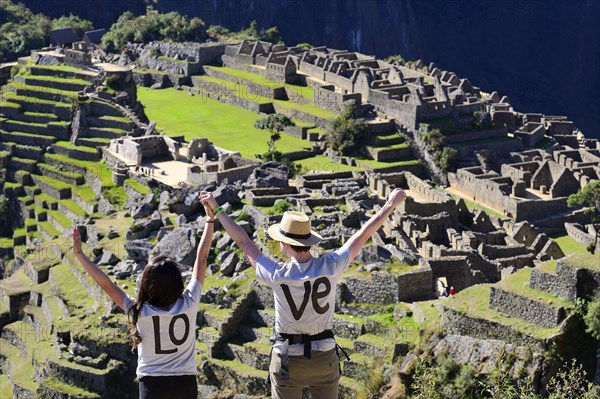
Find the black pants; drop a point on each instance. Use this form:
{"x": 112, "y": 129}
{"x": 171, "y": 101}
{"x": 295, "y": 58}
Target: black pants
{"x": 169, "y": 387}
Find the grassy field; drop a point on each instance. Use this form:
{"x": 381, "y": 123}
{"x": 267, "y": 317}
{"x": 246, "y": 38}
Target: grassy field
{"x": 569, "y": 245}
{"x": 323, "y": 163}
{"x": 226, "y": 126}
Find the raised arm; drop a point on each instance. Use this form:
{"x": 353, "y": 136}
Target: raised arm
{"x": 113, "y": 291}
{"x": 204, "y": 247}
{"x": 251, "y": 250}
{"x": 356, "y": 242}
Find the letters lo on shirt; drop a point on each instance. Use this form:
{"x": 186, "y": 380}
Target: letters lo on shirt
{"x": 173, "y": 339}
{"x": 168, "y": 335}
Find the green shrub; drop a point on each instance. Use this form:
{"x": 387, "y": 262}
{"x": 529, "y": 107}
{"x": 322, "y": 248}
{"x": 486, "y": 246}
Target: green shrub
{"x": 348, "y": 134}
{"x": 279, "y": 207}
{"x": 152, "y": 26}
{"x": 243, "y": 216}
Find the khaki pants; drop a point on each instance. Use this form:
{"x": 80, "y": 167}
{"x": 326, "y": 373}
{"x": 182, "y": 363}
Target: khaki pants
{"x": 321, "y": 373}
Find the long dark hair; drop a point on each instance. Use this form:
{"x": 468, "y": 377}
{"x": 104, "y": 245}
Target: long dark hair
{"x": 161, "y": 285}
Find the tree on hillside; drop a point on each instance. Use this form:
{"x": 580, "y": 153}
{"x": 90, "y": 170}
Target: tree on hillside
{"x": 393, "y": 58}
{"x": 152, "y": 26}
{"x": 347, "y": 133}
{"x": 80, "y": 26}
{"x": 252, "y": 33}
{"x": 589, "y": 197}
{"x": 20, "y": 30}
{"x": 592, "y": 316}
{"x": 274, "y": 124}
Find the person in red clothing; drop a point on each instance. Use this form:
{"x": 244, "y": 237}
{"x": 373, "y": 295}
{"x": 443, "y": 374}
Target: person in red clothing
{"x": 452, "y": 291}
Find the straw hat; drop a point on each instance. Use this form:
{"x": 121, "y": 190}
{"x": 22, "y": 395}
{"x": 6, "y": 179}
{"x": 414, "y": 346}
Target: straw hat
{"x": 294, "y": 229}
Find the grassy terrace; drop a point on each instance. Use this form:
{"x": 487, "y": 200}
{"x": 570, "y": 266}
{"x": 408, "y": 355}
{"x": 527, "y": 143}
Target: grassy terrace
{"x": 99, "y": 169}
{"x": 56, "y": 79}
{"x": 323, "y": 163}
{"x": 474, "y": 301}
{"x": 308, "y": 108}
{"x": 587, "y": 261}
{"x": 140, "y": 188}
{"x": 236, "y": 89}
{"x": 9, "y": 105}
{"x": 62, "y": 68}
{"x": 10, "y": 96}
{"x": 16, "y": 284}
{"x": 41, "y": 89}
{"x": 85, "y": 193}
{"x": 68, "y": 144}
{"x": 49, "y": 229}
{"x": 156, "y": 72}
{"x": 249, "y": 76}
{"x": 391, "y": 147}
{"x": 61, "y": 219}
{"x": 227, "y": 126}
{"x": 370, "y": 163}
{"x": 569, "y": 245}
{"x": 54, "y": 169}
{"x": 518, "y": 283}
{"x": 57, "y": 184}
{"x": 256, "y": 78}
{"x": 21, "y": 367}
{"x": 73, "y": 207}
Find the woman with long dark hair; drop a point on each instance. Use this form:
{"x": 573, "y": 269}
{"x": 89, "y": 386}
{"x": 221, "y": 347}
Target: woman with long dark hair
{"x": 162, "y": 319}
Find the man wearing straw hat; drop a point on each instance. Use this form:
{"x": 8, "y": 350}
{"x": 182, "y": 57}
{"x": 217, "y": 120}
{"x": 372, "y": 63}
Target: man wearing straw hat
{"x": 304, "y": 349}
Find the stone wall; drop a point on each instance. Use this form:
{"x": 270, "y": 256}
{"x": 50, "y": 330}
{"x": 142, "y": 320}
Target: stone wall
{"x": 466, "y": 150}
{"x": 477, "y": 135}
{"x": 579, "y": 234}
{"x": 227, "y": 96}
{"x": 148, "y": 79}
{"x": 51, "y": 191}
{"x": 539, "y": 209}
{"x": 5, "y": 73}
{"x": 454, "y": 268}
{"x": 454, "y": 322}
{"x": 532, "y": 311}
{"x": 384, "y": 288}
{"x": 241, "y": 173}
{"x": 327, "y": 98}
{"x": 276, "y": 91}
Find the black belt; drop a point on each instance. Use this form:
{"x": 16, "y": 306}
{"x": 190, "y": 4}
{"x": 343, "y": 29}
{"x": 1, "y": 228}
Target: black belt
{"x": 294, "y": 339}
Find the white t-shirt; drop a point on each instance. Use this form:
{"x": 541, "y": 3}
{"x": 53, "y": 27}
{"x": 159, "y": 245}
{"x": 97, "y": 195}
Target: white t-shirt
{"x": 304, "y": 296}
{"x": 168, "y": 335}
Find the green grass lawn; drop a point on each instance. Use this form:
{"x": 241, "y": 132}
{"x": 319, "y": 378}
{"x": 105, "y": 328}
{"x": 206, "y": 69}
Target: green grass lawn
{"x": 226, "y": 126}
{"x": 323, "y": 163}
{"x": 569, "y": 245}
{"x": 587, "y": 260}
{"x": 371, "y": 163}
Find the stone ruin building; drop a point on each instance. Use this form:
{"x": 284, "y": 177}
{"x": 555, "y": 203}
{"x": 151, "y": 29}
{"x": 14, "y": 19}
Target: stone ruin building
{"x": 199, "y": 161}
{"x": 535, "y": 185}
{"x": 431, "y": 240}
